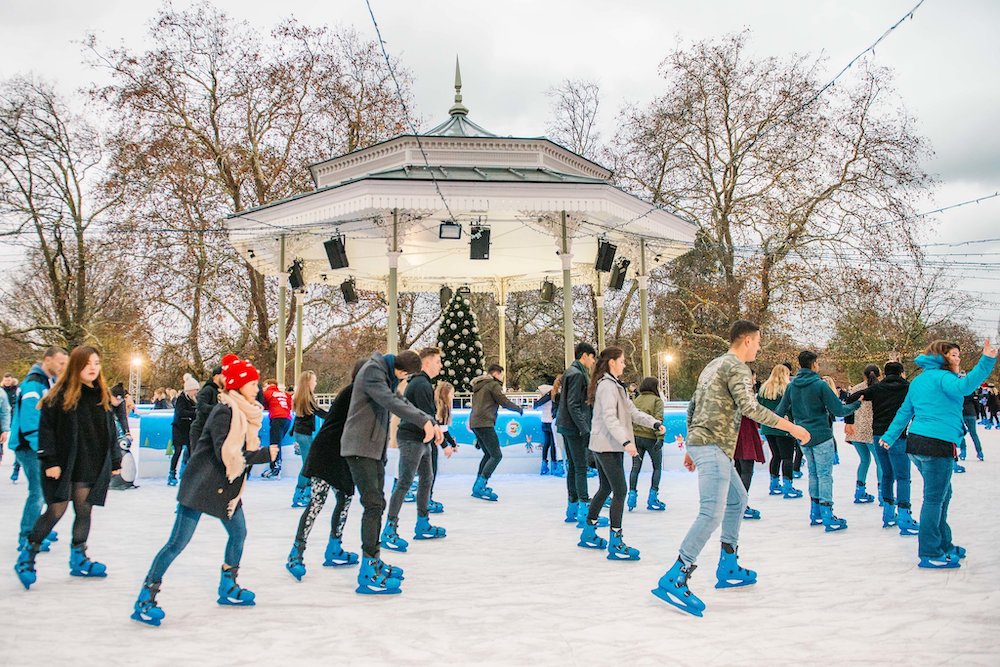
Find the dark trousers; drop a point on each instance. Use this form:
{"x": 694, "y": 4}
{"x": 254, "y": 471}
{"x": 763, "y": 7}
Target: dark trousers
{"x": 549, "y": 452}
{"x": 577, "y": 447}
{"x": 181, "y": 438}
{"x": 797, "y": 458}
{"x": 490, "y": 445}
{"x": 278, "y": 429}
{"x": 655, "y": 450}
{"x": 611, "y": 471}
{"x": 369, "y": 478}
{"x": 414, "y": 459}
{"x": 745, "y": 468}
{"x": 783, "y": 451}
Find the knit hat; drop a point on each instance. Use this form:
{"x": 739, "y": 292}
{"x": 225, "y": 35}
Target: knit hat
{"x": 189, "y": 382}
{"x": 228, "y": 359}
{"x": 238, "y": 373}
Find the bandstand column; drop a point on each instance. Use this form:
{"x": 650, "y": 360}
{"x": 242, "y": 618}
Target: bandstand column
{"x": 392, "y": 295}
{"x": 599, "y": 294}
{"x": 299, "y": 298}
{"x": 643, "y": 280}
{"x": 567, "y": 266}
{"x": 282, "y": 314}
{"x": 502, "y": 326}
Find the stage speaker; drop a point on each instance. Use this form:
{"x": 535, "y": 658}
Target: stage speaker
{"x": 605, "y": 256}
{"x": 336, "y": 253}
{"x": 479, "y": 243}
{"x": 617, "y": 279}
{"x": 295, "y": 278}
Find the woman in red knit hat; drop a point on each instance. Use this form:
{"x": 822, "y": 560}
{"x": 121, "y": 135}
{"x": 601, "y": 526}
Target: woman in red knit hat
{"x": 213, "y": 484}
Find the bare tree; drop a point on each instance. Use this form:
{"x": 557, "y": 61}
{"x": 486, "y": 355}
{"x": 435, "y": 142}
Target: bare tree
{"x": 575, "y": 104}
{"x": 52, "y": 201}
{"x": 240, "y": 115}
{"x": 786, "y": 190}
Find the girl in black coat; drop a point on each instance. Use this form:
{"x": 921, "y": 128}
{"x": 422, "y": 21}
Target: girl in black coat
{"x": 212, "y": 484}
{"x": 327, "y": 467}
{"x": 78, "y": 451}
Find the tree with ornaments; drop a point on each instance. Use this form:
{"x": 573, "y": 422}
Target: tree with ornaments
{"x": 461, "y": 348}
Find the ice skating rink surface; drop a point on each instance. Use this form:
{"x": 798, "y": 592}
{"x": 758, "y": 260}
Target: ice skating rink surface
{"x": 509, "y": 586}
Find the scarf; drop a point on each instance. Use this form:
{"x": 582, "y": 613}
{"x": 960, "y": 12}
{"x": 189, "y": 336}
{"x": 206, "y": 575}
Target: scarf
{"x": 244, "y": 430}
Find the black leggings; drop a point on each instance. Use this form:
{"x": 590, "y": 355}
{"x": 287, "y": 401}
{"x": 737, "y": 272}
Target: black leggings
{"x": 54, "y": 511}
{"x": 611, "y": 470}
{"x": 655, "y": 450}
{"x": 490, "y": 444}
{"x": 797, "y": 459}
{"x": 782, "y": 454}
{"x": 745, "y": 468}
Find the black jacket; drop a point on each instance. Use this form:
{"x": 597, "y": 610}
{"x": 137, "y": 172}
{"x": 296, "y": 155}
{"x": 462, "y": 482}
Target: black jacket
{"x": 324, "y": 460}
{"x": 306, "y": 424}
{"x": 574, "y": 414}
{"x": 208, "y": 396}
{"x": 886, "y": 397}
{"x": 969, "y": 405}
{"x": 184, "y": 410}
{"x": 204, "y": 486}
{"x": 420, "y": 392}
{"x": 58, "y": 442}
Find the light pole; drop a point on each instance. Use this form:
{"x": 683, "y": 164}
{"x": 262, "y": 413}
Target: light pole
{"x": 665, "y": 359}
{"x": 135, "y": 378}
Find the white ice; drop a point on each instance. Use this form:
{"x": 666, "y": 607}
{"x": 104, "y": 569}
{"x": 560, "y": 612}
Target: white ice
{"x": 509, "y": 585}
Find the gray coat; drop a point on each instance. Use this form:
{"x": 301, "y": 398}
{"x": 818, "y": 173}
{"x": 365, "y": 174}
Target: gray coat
{"x": 614, "y": 413}
{"x": 366, "y": 431}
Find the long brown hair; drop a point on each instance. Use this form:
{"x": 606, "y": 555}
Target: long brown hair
{"x": 600, "y": 368}
{"x": 942, "y": 348}
{"x": 303, "y": 400}
{"x": 556, "y": 387}
{"x": 443, "y": 404}
{"x": 66, "y": 391}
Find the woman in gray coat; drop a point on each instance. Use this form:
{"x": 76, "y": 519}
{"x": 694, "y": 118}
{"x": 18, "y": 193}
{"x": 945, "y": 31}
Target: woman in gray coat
{"x": 611, "y": 436}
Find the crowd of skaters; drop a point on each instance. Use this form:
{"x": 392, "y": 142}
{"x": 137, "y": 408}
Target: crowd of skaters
{"x": 66, "y": 435}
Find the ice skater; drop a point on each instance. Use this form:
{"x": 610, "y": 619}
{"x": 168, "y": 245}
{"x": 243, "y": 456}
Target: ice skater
{"x": 724, "y": 390}
{"x": 573, "y": 422}
{"x": 932, "y": 413}
{"x": 77, "y": 453}
{"x": 749, "y": 451}
{"x": 858, "y": 429}
{"x": 444, "y": 394}
{"x": 364, "y": 443}
{"x": 611, "y": 437}
{"x": 185, "y": 410}
{"x": 811, "y": 402}
{"x": 648, "y": 441}
{"x": 969, "y": 417}
{"x": 213, "y": 484}
{"x": 326, "y": 467}
{"x": 487, "y": 398}
{"x": 783, "y": 447}
{"x": 303, "y": 430}
{"x": 415, "y": 457}
{"x": 885, "y": 398}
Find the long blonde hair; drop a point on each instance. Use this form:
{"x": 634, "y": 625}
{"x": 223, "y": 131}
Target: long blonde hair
{"x": 443, "y": 394}
{"x": 830, "y": 382}
{"x": 304, "y": 401}
{"x": 776, "y": 383}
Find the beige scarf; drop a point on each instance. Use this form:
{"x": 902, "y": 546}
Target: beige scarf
{"x": 244, "y": 430}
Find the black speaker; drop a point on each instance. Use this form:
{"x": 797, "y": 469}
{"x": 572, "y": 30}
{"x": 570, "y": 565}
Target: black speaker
{"x": 445, "y": 296}
{"x": 618, "y": 271}
{"x": 605, "y": 256}
{"x": 479, "y": 244}
{"x": 347, "y": 289}
{"x": 336, "y": 254}
{"x": 295, "y": 279}
{"x": 548, "y": 292}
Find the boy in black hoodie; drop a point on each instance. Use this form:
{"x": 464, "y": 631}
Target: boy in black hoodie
{"x": 415, "y": 456}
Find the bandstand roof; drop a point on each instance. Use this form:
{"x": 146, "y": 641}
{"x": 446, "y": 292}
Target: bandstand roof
{"x": 518, "y": 187}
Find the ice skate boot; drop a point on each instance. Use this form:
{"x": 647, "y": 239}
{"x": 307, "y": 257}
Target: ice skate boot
{"x": 789, "y": 491}
{"x": 481, "y": 491}
{"x": 632, "y": 500}
{"x": 391, "y": 539}
{"x": 654, "y": 503}
{"x": 425, "y": 531}
{"x": 295, "y": 565}
{"x": 145, "y": 609}
{"x": 750, "y": 513}
{"x": 25, "y": 565}
{"x": 888, "y": 513}
{"x": 335, "y": 555}
{"x": 372, "y": 580}
{"x": 775, "y": 488}
{"x": 831, "y": 523}
{"x": 815, "y": 515}
{"x": 81, "y": 566}
{"x": 618, "y": 550}
{"x": 673, "y": 589}
{"x": 860, "y": 496}
{"x": 230, "y": 593}
{"x": 905, "y": 522}
{"x": 171, "y": 481}
{"x": 730, "y": 573}
{"x": 589, "y": 539}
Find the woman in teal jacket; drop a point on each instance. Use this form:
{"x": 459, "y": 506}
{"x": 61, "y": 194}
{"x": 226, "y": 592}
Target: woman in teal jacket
{"x": 933, "y": 411}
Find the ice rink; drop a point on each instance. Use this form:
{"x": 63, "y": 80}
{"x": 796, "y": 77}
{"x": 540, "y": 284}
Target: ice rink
{"x": 509, "y": 585}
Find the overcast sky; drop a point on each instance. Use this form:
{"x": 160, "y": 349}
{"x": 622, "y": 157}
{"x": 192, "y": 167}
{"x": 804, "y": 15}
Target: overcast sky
{"x": 947, "y": 61}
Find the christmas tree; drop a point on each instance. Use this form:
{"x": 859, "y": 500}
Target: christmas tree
{"x": 461, "y": 349}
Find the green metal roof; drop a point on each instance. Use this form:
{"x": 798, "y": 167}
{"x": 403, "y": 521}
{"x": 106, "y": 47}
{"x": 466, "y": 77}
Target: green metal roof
{"x": 500, "y": 174}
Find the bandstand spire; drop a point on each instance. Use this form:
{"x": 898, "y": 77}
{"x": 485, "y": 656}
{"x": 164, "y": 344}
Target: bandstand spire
{"x": 458, "y": 109}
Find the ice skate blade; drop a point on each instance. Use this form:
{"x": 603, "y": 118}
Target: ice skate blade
{"x": 296, "y": 571}
{"x": 146, "y": 620}
{"x": 908, "y": 532}
{"x": 734, "y": 583}
{"x": 395, "y": 547}
{"x": 87, "y": 575}
{"x": 365, "y": 589}
{"x": 230, "y": 602}
{"x": 677, "y": 604}
{"x": 339, "y": 562}
{"x": 835, "y": 529}
{"x": 492, "y": 499}
{"x": 612, "y": 556}
{"x": 928, "y": 564}
{"x": 430, "y": 536}
{"x": 651, "y": 508}
{"x": 603, "y": 544}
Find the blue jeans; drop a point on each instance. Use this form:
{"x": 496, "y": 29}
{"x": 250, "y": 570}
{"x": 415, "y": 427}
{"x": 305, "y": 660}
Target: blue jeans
{"x": 895, "y": 467}
{"x": 28, "y": 458}
{"x": 970, "y": 426}
{"x": 820, "y": 459}
{"x": 304, "y": 442}
{"x": 723, "y": 499}
{"x": 183, "y": 531}
{"x": 934, "y": 538}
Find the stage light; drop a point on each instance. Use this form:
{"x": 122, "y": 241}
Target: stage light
{"x": 450, "y": 230}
